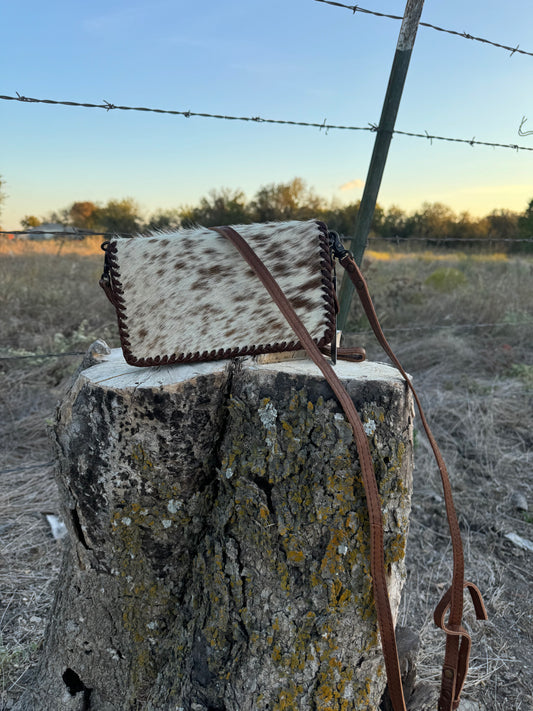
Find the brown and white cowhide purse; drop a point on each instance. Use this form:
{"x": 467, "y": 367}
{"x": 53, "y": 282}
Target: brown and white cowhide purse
{"x": 204, "y": 294}
{"x": 189, "y": 296}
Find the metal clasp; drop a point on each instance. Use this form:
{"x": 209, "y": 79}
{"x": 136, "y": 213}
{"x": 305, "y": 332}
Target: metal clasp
{"x": 105, "y": 279}
{"x": 338, "y": 250}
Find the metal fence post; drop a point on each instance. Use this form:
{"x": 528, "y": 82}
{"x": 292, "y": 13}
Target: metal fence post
{"x": 391, "y": 103}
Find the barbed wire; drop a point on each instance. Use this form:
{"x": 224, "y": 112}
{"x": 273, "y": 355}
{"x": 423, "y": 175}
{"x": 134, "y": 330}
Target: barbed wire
{"x": 392, "y": 329}
{"x": 187, "y": 114}
{"x": 34, "y": 356}
{"x": 400, "y": 240}
{"x": 464, "y": 35}
{"x": 258, "y": 119}
{"x": 68, "y": 232}
{"x": 75, "y": 233}
{"x": 396, "y": 238}
{"x": 462, "y": 326}
{"x": 471, "y": 141}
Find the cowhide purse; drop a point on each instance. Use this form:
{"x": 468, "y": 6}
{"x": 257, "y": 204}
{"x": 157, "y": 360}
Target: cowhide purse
{"x": 188, "y": 296}
{"x": 207, "y": 294}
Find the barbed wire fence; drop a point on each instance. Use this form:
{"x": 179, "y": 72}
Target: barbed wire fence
{"x": 396, "y": 239}
{"x": 322, "y": 126}
{"x": 108, "y": 106}
{"x": 393, "y": 329}
{"x": 371, "y": 127}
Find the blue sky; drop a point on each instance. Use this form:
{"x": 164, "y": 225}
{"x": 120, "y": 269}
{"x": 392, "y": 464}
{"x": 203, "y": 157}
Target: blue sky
{"x": 283, "y": 59}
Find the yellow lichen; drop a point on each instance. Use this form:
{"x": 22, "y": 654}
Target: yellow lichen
{"x": 297, "y": 557}
{"x": 140, "y": 456}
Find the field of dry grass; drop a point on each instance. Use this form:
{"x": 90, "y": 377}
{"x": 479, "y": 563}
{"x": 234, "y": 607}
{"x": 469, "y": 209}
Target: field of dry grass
{"x": 463, "y": 327}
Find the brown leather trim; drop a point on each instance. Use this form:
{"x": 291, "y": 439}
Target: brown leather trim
{"x": 115, "y": 294}
{"x": 328, "y": 286}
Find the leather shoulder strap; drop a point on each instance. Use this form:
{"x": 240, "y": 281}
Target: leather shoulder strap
{"x": 457, "y": 639}
{"x": 377, "y": 564}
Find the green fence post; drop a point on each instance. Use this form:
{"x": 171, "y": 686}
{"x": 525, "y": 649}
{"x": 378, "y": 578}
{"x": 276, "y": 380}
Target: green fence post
{"x": 384, "y": 132}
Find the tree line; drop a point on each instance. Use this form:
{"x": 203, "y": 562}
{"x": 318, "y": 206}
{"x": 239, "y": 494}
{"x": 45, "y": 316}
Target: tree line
{"x": 294, "y": 200}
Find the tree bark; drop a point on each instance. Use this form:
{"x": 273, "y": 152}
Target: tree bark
{"x": 218, "y": 549}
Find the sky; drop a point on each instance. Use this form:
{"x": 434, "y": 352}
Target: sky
{"x": 297, "y": 60}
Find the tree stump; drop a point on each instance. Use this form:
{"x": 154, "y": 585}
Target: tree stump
{"x": 218, "y": 550}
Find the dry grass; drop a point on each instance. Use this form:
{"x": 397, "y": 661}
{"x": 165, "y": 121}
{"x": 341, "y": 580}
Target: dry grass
{"x": 50, "y": 302}
{"x": 60, "y": 246}
{"x": 486, "y": 439}
{"x": 476, "y": 384}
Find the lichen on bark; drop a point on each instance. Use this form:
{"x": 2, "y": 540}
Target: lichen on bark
{"x": 280, "y": 591}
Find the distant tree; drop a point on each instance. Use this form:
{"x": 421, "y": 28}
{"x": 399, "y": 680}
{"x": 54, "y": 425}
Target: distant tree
{"x": 330, "y": 214}
{"x": 525, "y": 221}
{"x": 120, "y": 216}
{"x": 30, "y": 221}
{"x": 165, "y": 220}
{"x": 464, "y": 226}
{"x": 59, "y": 216}
{"x": 378, "y": 218}
{"x": 501, "y": 224}
{"x": 394, "y": 223}
{"x": 221, "y": 207}
{"x": 343, "y": 219}
{"x": 286, "y": 201}
{"x": 84, "y": 215}
{"x": 435, "y": 220}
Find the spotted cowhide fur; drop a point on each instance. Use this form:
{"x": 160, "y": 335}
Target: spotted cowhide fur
{"x": 188, "y": 295}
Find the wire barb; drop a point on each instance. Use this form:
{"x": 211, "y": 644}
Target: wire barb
{"x": 25, "y": 98}
{"x": 523, "y": 133}
{"x": 464, "y": 35}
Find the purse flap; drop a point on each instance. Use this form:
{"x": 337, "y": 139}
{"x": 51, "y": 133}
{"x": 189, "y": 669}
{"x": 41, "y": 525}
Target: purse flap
{"x": 188, "y": 296}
